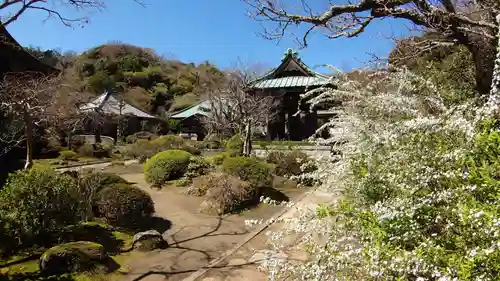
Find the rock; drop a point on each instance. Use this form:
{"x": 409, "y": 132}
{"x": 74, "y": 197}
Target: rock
{"x": 148, "y": 241}
{"x": 72, "y": 257}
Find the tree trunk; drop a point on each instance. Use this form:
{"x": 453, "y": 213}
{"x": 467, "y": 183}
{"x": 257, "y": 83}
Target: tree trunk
{"x": 483, "y": 53}
{"x": 247, "y": 139}
{"x": 29, "y": 140}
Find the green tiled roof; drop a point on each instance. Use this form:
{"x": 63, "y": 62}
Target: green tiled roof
{"x": 199, "y": 109}
{"x": 291, "y": 81}
{"x": 274, "y": 79}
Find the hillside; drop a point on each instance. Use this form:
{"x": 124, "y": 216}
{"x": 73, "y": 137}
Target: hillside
{"x": 145, "y": 79}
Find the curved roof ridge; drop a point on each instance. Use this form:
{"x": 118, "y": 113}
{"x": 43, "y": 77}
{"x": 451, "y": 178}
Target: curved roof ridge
{"x": 289, "y": 55}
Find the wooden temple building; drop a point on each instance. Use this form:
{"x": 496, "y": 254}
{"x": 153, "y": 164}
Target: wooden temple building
{"x": 287, "y": 82}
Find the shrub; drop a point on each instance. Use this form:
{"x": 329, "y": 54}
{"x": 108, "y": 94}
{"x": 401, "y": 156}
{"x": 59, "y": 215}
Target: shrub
{"x": 131, "y": 139}
{"x": 288, "y": 164}
{"x": 208, "y": 144}
{"x": 124, "y": 205}
{"x": 67, "y": 155}
{"x": 40, "y": 202}
{"x": 166, "y": 165}
{"x": 234, "y": 146}
{"x": 198, "y": 166}
{"x": 218, "y": 159}
{"x": 225, "y": 194}
{"x": 250, "y": 169}
{"x": 144, "y": 149}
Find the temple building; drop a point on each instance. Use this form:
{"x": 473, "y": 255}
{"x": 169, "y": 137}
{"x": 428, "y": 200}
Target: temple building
{"x": 286, "y": 82}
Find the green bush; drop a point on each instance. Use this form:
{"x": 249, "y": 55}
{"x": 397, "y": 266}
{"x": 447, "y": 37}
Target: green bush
{"x": 124, "y": 205}
{"x": 234, "y": 146}
{"x": 166, "y": 165}
{"x": 250, "y": 169}
{"x": 40, "y": 202}
{"x": 208, "y": 144}
{"x": 67, "y": 155}
{"x": 145, "y": 149}
{"x": 198, "y": 166}
{"x": 95, "y": 150}
{"x": 218, "y": 159}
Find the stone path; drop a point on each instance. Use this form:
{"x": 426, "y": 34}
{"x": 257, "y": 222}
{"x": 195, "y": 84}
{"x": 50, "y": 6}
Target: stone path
{"x": 243, "y": 263}
{"x": 94, "y": 166}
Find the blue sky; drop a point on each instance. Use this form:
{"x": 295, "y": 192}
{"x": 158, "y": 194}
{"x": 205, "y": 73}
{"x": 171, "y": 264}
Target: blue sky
{"x": 198, "y": 30}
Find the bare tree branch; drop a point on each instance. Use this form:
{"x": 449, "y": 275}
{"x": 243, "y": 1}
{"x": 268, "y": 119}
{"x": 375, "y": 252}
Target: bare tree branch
{"x": 50, "y": 7}
{"x": 467, "y": 22}
{"x": 234, "y": 108}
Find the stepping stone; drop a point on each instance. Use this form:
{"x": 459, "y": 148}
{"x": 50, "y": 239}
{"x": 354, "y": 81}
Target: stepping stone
{"x": 261, "y": 256}
{"x": 236, "y": 262}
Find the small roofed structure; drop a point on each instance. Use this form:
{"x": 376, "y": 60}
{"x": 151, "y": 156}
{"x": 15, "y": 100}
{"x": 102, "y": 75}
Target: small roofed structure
{"x": 109, "y": 107}
{"x": 288, "y": 81}
{"x": 191, "y": 118}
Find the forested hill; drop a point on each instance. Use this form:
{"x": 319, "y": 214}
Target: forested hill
{"x": 145, "y": 79}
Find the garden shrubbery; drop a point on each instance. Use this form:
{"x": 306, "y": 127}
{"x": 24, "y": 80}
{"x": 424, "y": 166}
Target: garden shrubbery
{"x": 234, "y": 146}
{"x": 288, "y": 163}
{"x": 38, "y": 205}
{"x": 124, "y": 205}
{"x": 223, "y": 193}
{"x": 256, "y": 172}
{"x": 145, "y": 149}
{"x": 420, "y": 187}
{"x": 166, "y": 165}
{"x": 67, "y": 155}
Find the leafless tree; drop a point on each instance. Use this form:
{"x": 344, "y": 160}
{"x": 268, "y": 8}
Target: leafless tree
{"x": 235, "y": 108}
{"x": 11, "y": 10}
{"x": 34, "y": 101}
{"x": 464, "y": 22}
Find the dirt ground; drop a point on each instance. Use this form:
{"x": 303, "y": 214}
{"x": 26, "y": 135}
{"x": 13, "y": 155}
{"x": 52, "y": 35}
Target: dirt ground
{"x": 194, "y": 239}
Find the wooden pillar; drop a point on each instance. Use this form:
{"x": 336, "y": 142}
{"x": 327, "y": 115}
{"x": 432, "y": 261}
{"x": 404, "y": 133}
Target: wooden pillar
{"x": 310, "y": 124}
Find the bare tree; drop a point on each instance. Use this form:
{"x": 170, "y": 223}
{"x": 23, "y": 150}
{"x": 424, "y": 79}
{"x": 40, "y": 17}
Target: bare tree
{"x": 235, "y": 108}
{"x": 11, "y": 10}
{"x": 470, "y": 23}
{"x": 35, "y": 101}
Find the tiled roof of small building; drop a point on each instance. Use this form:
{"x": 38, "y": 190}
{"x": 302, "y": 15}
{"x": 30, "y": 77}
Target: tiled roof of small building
{"x": 108, "y": 104}
{"x": 202, "y": 109}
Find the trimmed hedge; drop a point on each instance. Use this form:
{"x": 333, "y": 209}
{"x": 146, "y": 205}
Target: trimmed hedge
{"x": 166, "y": 165}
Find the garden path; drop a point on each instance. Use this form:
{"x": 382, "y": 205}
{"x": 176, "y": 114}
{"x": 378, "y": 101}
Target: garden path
{"x": 194, "y": 239}
{"x": 243, "y": 264}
